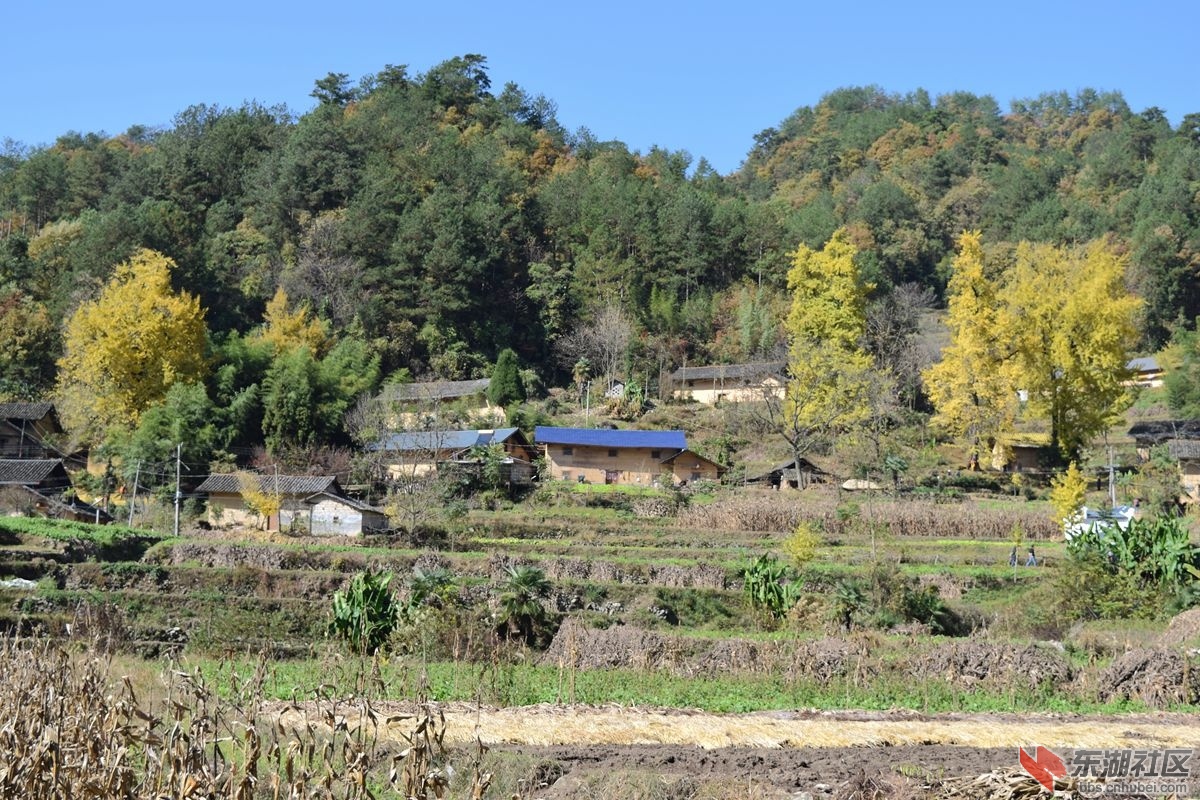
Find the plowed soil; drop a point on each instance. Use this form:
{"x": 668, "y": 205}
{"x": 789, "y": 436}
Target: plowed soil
{"x": 583, "y": 751}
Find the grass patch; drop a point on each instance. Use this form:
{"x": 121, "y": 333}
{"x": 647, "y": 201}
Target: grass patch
{"x": 527, "y": 684}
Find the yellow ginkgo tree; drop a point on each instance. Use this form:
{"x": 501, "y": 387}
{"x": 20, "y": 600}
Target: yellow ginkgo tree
{"x": 126, "y": 348}
{"x": 1072, "y": 322}
{"x": 972, "y": 388}
{"x": 829, "y": 371}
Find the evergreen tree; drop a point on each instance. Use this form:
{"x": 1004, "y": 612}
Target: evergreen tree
{"x": 506, "y": 387}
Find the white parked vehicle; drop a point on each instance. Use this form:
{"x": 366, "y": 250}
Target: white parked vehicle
{"x": 1090, "y": 519}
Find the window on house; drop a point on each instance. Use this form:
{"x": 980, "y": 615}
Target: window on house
{"x": 656, "y": 453}
{"x": 695, "y": 476}
{"x": 612, "y": 453}
{"x": 568, "y": 451}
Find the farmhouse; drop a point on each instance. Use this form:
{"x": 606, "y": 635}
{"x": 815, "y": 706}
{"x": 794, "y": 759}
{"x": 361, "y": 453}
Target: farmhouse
{"x": 413, "y": 454}
{"x": 728, "y": 382}
{"x": 307, "y": 504}
{"x": 42, "y": 486}
{"x": 1145, "y": 372}
{"x": 643, "y": 458}
{"x": 1024, "y": 454}
{"x": 332, "y": 515}
{"x": 27, "y": 430}
{"x": 428, "y": 400}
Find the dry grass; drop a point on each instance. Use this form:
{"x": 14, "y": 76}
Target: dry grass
{"x": 73, "y": 732}
{"x": 550, "y": 725}
{"x": 780, "y": 512}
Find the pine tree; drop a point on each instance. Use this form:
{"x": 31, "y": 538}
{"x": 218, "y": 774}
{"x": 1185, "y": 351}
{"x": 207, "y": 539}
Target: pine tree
{"x": 506, "y": 387}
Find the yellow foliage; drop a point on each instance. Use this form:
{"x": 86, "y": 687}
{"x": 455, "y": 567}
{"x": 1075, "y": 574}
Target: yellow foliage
{"x": 971, "y": 387}
{"x": 259, "y": 501}
{"x": 1059, "y": 327}
{"x": 801, "y": 546}
{"x": 1067, "y": 492}
{"x": 1072, "y": 322}
{"x": 287, "y": 330}
{"x": 126, "y": 348}
{"x": 830, "y": 372}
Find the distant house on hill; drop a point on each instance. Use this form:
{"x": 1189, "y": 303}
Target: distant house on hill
{"x": 413, "y": 454}
{"x": 422, "y": 400}
{"x": 1146, "y": 372}
{"x": 310, "y": 505}
{"x": 28, "y": 430}
{"x": 43, "y": 486}
{"x": 714, "y": 384}
{"x": 593, "y": 455}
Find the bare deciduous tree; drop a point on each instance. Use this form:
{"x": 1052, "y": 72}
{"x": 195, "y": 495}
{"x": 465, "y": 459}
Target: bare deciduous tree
{"x": 604, "y": 342}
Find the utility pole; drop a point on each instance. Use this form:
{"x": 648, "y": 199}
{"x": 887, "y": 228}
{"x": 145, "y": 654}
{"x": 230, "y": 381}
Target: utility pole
{"x": 1112, "y": 481}
{"x": 178, "y": 494}
{"x": 137, "y": 472}
{"x": 587, "y": 404}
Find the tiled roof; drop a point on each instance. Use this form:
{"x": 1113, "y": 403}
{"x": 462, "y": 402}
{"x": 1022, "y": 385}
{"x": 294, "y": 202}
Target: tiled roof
{"x": 1159, "y": 431}
{"x": 436, "y": 390}
{"x": 685, "y": 454}
{"x": 760, "y": 369}
{"x": 599, "y": 437}
{"x": 32, "y": 471}
{"x": 1144, "y": 364}
{"x": 1188, "y": 449}
{"x": 28, "y": 411}
{"x": 288, "y": 485}
{"x": 440, "y": 441}
{"x": 357, "y": 505}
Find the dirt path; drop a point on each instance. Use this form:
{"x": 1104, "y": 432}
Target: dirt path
{"x": 583, "y": 750}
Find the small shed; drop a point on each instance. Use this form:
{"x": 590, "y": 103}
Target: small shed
{"x": 332, "y": 515}
{"x": 1187, "y": 453}
{"x": 42, "y": 485}
{"x": 791, "y": 474}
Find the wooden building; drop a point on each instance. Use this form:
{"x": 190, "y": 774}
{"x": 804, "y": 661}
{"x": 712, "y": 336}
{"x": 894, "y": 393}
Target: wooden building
{"x": 29, "y": 430}
{"x": 42, "y": 486}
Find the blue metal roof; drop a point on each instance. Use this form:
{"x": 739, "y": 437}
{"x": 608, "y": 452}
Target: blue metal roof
{"x": 599, "y": 437}
{"x": 441, "y": 440}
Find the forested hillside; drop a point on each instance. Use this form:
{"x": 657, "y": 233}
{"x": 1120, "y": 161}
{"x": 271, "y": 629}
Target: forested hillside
{"x": 418, "y": 225}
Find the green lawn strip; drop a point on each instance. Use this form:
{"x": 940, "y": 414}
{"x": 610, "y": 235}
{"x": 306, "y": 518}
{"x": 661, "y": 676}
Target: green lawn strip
{"x": 526, "y": 684}
{"x": 68, "y": 531}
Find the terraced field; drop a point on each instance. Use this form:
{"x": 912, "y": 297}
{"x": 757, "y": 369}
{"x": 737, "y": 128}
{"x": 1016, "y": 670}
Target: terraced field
{"x": 654, "y": 659}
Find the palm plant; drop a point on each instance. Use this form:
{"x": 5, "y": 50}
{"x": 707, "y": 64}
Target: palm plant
{"x": 521, "y": 603}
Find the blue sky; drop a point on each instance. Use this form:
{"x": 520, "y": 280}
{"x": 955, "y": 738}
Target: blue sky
{"x": 698, "y": 76}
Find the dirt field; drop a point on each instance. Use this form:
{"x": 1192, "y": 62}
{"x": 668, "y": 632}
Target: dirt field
{"x": 582, "y": 751}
